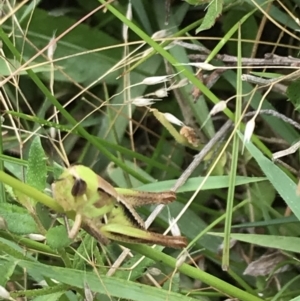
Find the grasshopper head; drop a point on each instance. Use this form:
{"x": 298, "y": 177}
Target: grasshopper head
{"x": 75, "y": 187}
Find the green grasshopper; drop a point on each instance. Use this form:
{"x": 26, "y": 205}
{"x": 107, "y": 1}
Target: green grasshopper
{"x": 108, "y": 213}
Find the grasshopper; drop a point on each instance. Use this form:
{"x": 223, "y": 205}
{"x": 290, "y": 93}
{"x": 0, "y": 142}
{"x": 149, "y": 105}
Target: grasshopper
{"x": 108, "y": 213}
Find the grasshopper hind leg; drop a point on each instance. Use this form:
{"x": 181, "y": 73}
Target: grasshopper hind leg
{"x": 94, "y": 230}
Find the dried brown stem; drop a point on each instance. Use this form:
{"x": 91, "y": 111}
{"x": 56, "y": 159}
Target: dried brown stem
{"x": 219, "y": 136}
{"x": 269, "y": 60}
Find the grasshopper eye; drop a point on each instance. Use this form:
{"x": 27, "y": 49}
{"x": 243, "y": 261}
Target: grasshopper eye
{"x": 79, "y": 187}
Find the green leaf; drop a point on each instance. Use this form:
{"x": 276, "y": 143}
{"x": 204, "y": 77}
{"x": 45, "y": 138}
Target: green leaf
{"x": 284, "y": 243}
{"x": 83, "y": 68}
{"x": 256, "y": 191}
{"x": 110, "y": 286}
{"x": 126, "y": 271}
{"x": 281, "y": 182}
{"x": 196, "y": 273}
{"x": 17, "y": 219}
{"x": 248, "y": 30}
{"x": 267, "y": 223}
{"x": 12, "y": 249}
{"x": 57, "y": 170}
{"x": 197, "y": 2}
{"x": 57, "y": 238}
{"x": 7, "y": 269}
{"x": 173, "y": 283}
{"x": 293, "y": 93}
{"x": 214, "y": 11}
{"x": 36, "y": 174}
{"x": 49, "y": 297}
{"x": 37, "y": 169}
{"x": 116, "y": 174}
{"x": 7, "y": 66}
{"x": 86, "y": 249}
{"x": 214, "y": 182}
{"x": 29, "y": 191}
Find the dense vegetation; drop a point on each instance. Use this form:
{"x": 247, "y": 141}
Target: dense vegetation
{"x": 199, "y": 97}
